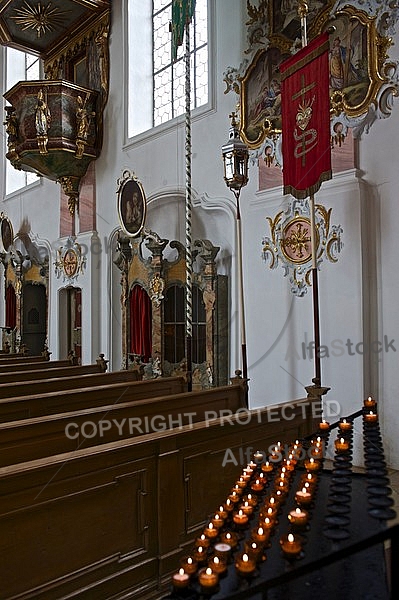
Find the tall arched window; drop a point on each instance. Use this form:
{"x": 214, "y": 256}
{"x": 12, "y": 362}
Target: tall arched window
{"x": 156, "y": 92}
{"x": 20, "y": 66}
{"x": 175, "y": 325}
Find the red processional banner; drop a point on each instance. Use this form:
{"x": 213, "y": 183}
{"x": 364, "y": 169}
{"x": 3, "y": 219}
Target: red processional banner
{"x": 305, "y": 111}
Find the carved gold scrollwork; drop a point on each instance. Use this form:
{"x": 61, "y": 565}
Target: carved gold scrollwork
{"x": 290, "y": 242}
{"x": 157, "y": 286}
{"x": 70, "y": 261}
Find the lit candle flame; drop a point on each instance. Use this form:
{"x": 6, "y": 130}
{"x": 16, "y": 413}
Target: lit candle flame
{"x": 298, "y": 511}
{"x": 260, "y": 531}
{"x": 208, "y": 571}
{"x": 216, "y": 560}
{"x": 181, "y": 571}
{"x": 190, "y": 560}
{"x": 245, "y": 557}
{"x": 290, "y": 538}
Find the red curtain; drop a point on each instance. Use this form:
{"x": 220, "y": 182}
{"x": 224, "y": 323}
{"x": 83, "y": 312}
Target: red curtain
{"x": 11, "y": 308}
{"x": 140, "y": 323}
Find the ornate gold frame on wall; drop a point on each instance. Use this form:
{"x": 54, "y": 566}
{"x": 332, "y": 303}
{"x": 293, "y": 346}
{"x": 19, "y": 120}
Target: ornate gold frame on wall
{"x": 259, "y": 98}
{"x": 369, "y": 65}
{"x": 370, "y": 26}
{"x": 132, "y": 204}
{"x": 282, "y": 39}
{"x": 6, "y": 232}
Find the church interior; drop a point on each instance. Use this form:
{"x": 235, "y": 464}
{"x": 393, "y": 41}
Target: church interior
{"x": 198, "y": 353}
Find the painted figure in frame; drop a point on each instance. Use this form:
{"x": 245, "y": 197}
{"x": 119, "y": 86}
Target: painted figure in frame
{"x": 132, "y": 207}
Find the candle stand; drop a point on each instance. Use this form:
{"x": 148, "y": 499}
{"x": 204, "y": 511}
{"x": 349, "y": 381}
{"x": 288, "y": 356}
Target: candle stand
{"x": 337, "y": 550}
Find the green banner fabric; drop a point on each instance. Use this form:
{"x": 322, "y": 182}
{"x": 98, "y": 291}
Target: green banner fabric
{"x": 182, "y": 13}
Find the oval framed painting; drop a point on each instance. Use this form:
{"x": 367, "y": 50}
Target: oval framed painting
{"x": 6, "y": 231}
{"x": 132, "y": 205}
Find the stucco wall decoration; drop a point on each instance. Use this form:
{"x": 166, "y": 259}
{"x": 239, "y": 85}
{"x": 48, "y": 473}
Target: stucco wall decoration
{"x": 70, "y": 261}
{"x": 289, "y": 243}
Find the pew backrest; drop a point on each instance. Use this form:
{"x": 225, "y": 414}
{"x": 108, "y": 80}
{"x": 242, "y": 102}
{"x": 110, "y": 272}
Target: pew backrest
{"x": 77, "y": 398}
{"x": 16, "y": 366}
{"x": 37, "y": 374}
{"x": 53, "y": 434}
{"x": 61, "y": 384}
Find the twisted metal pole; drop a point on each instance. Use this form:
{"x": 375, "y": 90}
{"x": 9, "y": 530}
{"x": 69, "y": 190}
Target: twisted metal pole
{"x": 189, "y": 260}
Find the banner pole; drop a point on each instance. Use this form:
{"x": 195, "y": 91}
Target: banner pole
{"x": 302, "y": 12}
{"x": 315, "y": 290}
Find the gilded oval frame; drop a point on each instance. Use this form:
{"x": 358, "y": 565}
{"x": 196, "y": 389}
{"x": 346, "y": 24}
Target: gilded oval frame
{"x": 132, "y": 204}
{"x": 6, "y": 232}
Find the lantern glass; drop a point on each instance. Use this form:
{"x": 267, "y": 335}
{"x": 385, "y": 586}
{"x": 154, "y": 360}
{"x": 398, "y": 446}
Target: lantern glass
{"x": 235, "y": 157}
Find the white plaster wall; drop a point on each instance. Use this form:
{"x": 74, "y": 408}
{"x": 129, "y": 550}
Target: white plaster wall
{"x": 379, "y": 161}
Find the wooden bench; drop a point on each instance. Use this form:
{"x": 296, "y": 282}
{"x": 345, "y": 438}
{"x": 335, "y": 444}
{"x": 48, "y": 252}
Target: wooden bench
{"x": 61, "y": 372}
{"x": 13, "y": 367}
{"x": 15, "y": 407}
{"x": 112, "y": 520}
{"x": 29, "y": 439}
{"x": 20, "y": 358}
{"x": 61, "y": 384}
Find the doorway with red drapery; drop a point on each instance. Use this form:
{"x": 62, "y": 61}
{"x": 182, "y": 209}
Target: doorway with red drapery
{"x": 140, "y": 318}
{"x": 11, "y": 307}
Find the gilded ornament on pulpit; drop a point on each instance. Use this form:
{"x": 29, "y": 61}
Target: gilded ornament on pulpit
{"x": 42, "y": 17}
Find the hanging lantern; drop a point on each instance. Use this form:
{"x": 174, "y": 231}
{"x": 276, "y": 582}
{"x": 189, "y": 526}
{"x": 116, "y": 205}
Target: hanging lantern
{"x": 235, "y": 158}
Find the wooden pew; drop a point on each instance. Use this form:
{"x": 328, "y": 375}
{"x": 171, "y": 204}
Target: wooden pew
{"x": 28, "y": 439}
{"x": 112, "y": 520}
{"x": 61, "y": 384}
{"x": 45, "y": 373}
{"x": 13, "y": 367}
{"x": 20, "y": 358}
{"x": 82, "y": 394}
